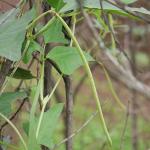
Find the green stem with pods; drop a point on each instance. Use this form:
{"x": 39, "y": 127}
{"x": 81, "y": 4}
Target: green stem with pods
{"x": 85, "y": 64}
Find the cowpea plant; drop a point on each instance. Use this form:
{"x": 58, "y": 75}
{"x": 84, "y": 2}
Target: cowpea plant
{"x": 23, "y": 34}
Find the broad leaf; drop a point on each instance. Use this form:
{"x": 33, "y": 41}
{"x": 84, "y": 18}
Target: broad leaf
{"x": 12, "y": 35}
{"x": 67, "y": 58}
{"x": 6, "y": 100}
{"x": 34, "y": 46}
{"x": 48, "y": 125}
{"x": 57, "y": 4}
{"x": 21, "y": 73}
{"x": 54, "y": 33}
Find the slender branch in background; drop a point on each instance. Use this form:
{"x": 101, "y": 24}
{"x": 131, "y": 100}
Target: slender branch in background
{"x": 77, "y": 131}
{"x": 107, "y": 22}
{"x": 129, "y": 12}
{"x": 125, "y": 126}
{"x": 8, "y": 3}
{"x": 116, "y": 70}
{"x": 134, "y": 106}
{"x": 69, "y": 109}
{"x": 13, "y": 116}
{"x": 134, "y": 122}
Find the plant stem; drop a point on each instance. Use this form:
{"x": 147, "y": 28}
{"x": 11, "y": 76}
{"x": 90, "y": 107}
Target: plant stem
{"x": 45, "y": 101}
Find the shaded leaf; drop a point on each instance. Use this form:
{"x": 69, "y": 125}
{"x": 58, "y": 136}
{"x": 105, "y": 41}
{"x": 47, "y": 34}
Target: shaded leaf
{"x": 67, "y": 58}
{"x": 21, "y": 73}
{"x": 12, "y": 35}
{"x": 54, "y": 33}
{"x": 6, "y": 100}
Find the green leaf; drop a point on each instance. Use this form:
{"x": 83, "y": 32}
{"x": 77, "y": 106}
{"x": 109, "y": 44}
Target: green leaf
{"x": 48, "y": 125}
{"x": 12, "y": 35}
{"x": 22, "y": 74}
{"x": 67, "y": 58}
{"x": 34, "y": 46}
{"x": 128, "y": 1}
{"x": 54, "y": 33}
{"x": 6, "y": 100}
{"x": 57, "y": 4}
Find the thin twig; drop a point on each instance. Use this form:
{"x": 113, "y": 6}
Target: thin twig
{"x": 14, "y": 115}
{"x": 129, "y": 12}
{"x": 77, "y": 131}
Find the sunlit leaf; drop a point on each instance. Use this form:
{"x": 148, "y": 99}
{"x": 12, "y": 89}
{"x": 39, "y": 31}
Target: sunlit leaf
{"x": 67, "y": 58}
{"x": 54, "y": 33}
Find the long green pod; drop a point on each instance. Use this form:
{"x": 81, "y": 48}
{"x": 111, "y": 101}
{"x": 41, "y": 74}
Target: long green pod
{"x": 117, "y": 99}
{"x": 89, "y": 75}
